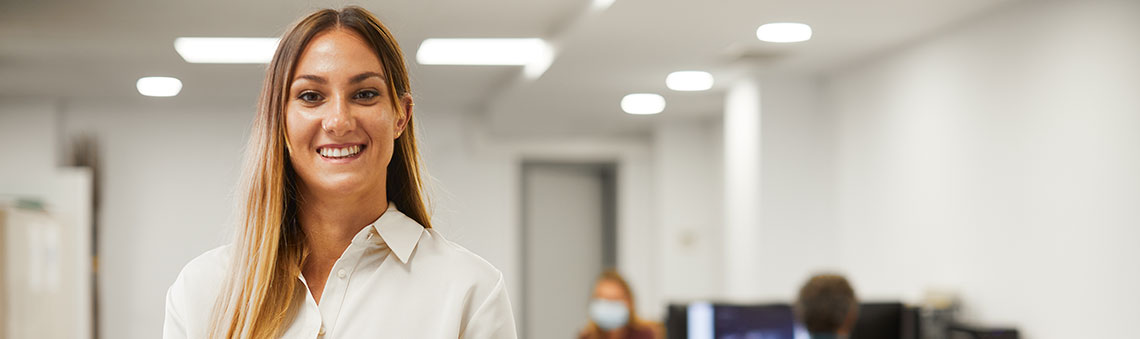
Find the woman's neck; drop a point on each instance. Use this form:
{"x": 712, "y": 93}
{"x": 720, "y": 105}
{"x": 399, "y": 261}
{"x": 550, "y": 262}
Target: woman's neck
{"x": 330, "y": 221}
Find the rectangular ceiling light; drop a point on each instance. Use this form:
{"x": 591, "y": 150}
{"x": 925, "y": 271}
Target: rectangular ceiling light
{"x": 507, "y": 52}
{"x": 599, "y": 5}
{"x": 226, "y": 50}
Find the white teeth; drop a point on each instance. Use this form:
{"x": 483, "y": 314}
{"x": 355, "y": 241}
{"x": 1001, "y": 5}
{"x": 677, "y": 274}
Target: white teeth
{"x": 339, "y": 152}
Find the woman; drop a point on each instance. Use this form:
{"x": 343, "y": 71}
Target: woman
{"x": 612, "y": 315}
{"x": 335, "y": 240}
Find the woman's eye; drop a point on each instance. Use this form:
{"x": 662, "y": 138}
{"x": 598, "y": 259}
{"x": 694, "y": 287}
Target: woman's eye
{"x": 310, "y": 97}
{"x": 366, "y": 95}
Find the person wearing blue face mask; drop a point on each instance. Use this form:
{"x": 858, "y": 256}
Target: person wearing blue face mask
{"x": 612, "y": 314}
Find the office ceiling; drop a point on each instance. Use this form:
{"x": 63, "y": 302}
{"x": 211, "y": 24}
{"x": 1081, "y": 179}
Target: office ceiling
{"x": 86, "y": 50}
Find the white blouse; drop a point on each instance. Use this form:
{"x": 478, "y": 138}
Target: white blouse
{"x": 395, "y": 280}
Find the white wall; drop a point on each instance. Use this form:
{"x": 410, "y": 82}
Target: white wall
{"x": 779, "y": 180}
{"x": 797, "y": 219}
{"x": 28, "y": 142}
{"x": 61, "y": 271}
{"x": 1000, "y": 159}
{"x": 167, "y": 171}
{"x": 688, "y": 164}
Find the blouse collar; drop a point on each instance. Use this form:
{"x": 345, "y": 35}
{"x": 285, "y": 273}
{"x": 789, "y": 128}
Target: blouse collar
{"x": 398, "y": 231}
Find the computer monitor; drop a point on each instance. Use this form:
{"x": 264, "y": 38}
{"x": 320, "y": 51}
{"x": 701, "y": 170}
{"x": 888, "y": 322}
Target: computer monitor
{"x": 962, "y": 331}
{"x": 753, "y": 322}
{"x": 726, "y": 321}
{"x": 677, "y": 321}
{"x": 777, "y": 321}
{"x": 879, "y": 321}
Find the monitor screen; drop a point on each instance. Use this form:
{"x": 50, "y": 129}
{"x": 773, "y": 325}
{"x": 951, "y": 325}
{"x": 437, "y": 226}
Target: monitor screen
{"x": 777, "y": 321}
{"x": 774, "y": 321}
{"x": 753, "y": 322}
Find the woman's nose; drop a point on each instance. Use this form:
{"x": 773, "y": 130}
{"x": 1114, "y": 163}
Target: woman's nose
{"x": 339, "y": 121}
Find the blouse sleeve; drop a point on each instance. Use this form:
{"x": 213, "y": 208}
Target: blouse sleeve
{"x": 494, "y": 318}
{"x": 174, "y": 327}
{"x": 190, "y": 299}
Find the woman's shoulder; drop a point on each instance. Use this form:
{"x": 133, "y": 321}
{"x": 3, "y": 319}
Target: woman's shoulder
{"x": 209, "y": 266}
{"x": 454, "y": 259}
{"x": 202, "y": 276}
{"x": 191, "y": 297}
{"x": 647, "y": 330}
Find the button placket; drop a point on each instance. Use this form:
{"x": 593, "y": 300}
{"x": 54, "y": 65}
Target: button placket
{"x": 336, "y": 289}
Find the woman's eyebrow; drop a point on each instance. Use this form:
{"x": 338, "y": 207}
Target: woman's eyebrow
{"x": 355, "y": 79}
{"x": 312, "y": 78}
{"x": 362, "y": 76}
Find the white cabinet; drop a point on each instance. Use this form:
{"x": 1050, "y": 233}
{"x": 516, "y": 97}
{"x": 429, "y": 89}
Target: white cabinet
{"x": 46, "y": 263}
{"x": 33, "y": 274}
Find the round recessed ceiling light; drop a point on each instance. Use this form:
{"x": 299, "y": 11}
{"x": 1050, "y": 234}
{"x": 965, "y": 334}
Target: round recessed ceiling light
{"x": 689, "y": 81}
{"x": 784, "y": 32}
{"x": 643, "y": 103}
{"x": 159, "y": 86}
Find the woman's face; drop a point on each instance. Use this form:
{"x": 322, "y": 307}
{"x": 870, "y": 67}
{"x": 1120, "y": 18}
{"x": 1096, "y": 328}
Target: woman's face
{"x": 340, "y": 122}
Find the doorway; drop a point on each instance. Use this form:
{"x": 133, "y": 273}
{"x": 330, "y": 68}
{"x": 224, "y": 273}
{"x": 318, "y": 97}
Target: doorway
{"x": 569, "y": 236}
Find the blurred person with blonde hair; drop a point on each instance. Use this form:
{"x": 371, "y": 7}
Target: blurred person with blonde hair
{"x": 334, "y": 237}
{"x": 612, "y": 314}
{"x": 827, "y": 307}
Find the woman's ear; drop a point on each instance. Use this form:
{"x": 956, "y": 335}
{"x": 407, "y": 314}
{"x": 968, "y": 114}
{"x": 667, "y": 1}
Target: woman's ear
{"x": 402, "y": 121}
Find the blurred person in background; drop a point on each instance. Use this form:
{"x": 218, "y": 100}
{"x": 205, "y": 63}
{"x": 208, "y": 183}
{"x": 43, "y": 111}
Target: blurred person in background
{"x": 334, "y": 238}
{"x": 612, "y": 314}
{"x": 827, "y": 307}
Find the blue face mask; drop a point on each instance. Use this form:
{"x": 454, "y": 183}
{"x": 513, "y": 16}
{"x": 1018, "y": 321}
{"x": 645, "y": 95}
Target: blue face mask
{"x": 609, "y": 314}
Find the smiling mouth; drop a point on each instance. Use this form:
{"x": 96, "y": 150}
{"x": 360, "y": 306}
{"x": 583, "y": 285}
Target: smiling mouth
{"x": 341, "y": 152}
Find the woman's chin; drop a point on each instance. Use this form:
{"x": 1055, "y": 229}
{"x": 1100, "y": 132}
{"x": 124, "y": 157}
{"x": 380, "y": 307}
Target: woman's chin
{"x": 342, "y": 185}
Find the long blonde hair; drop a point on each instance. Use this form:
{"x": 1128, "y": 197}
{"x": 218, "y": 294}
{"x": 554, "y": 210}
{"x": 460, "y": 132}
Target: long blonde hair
{"x": 270, "y": 245}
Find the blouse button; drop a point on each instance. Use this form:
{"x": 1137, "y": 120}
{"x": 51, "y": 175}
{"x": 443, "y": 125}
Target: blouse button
{"x": 341, "y": 274}
{"x": 322, "y": 332}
